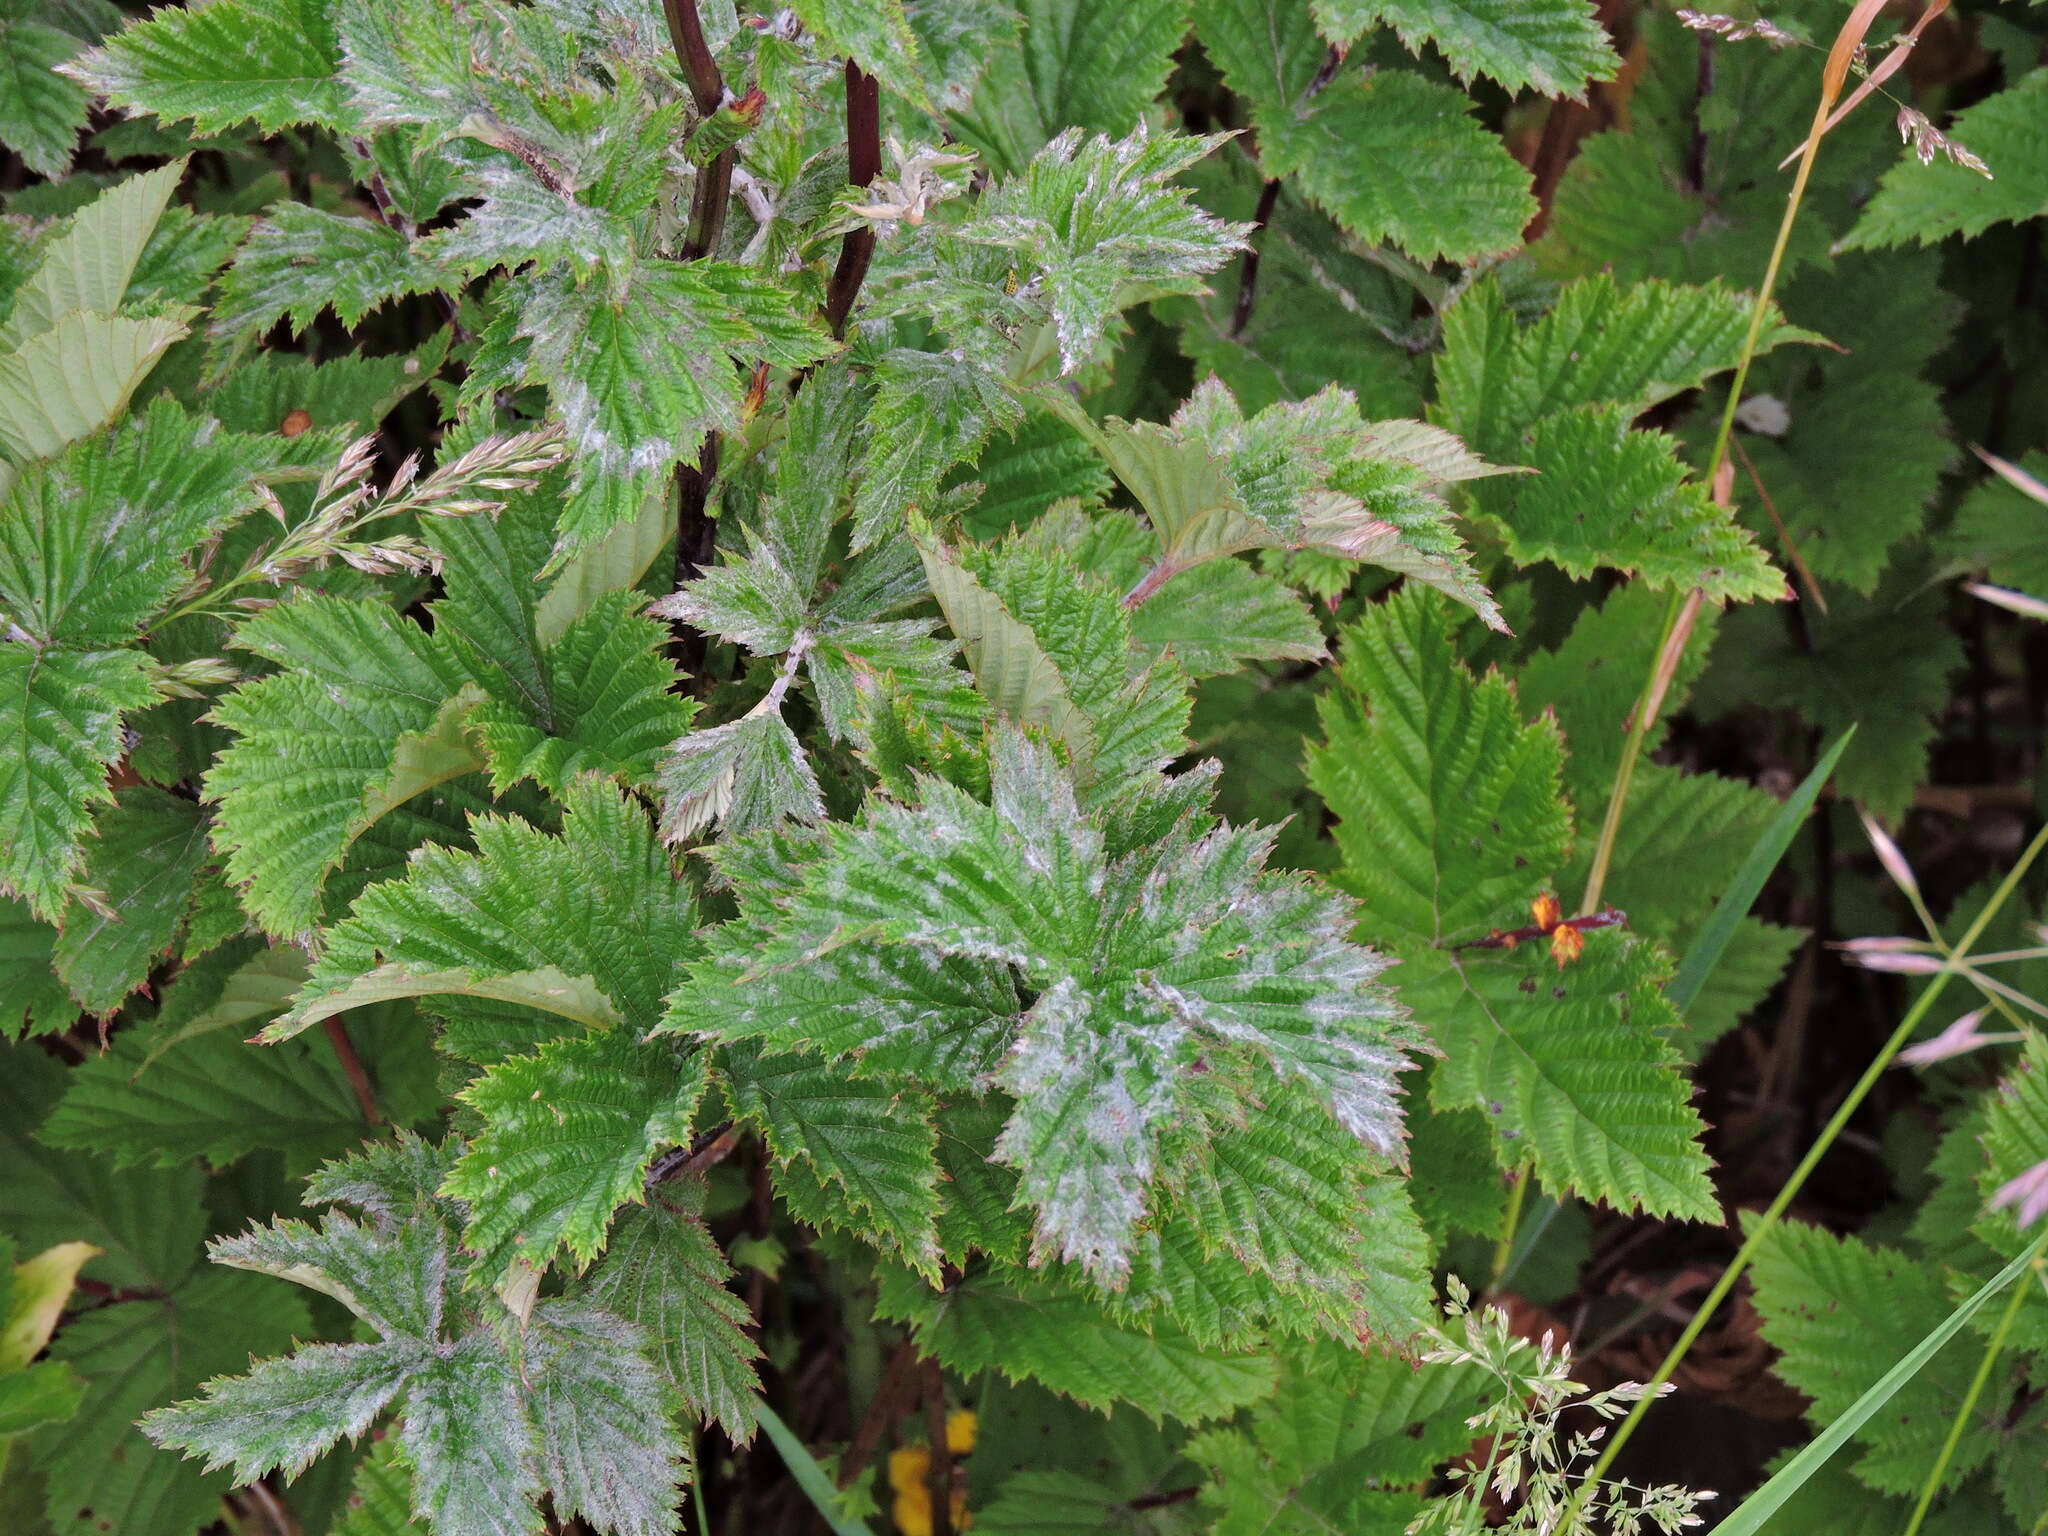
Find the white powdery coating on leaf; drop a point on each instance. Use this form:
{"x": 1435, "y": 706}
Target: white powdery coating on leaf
{"x": 1090, "y": 1092}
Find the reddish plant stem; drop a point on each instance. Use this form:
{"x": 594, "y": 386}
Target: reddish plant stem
{"x": 884, "y": 1408}
{"x": 1248, "y": 274}
{"x": 863, "y": 165}
{"x": 352, "y": 1069}
{"x": 1610, "y": 917}
{"x": 710, "y": 1148}
{"x": 696, "y": 533}
{"x": 707, "y": 89}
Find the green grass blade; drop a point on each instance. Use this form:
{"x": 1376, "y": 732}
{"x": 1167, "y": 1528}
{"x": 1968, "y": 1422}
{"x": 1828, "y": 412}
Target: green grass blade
{"x": 1756, "y": 1510}
{"x": 810, "y": 1477}
{"x": 1735, "y": 902}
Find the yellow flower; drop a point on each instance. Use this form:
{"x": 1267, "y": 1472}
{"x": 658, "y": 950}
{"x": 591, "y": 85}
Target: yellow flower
{"x": 909, "y": 1473}
{"x": 960, "y": 1427}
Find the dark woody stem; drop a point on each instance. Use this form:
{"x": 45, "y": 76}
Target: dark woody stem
{"x": 863, "y": 165}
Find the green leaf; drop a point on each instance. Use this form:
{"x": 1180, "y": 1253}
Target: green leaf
{"x": 87, "y": 264}
{"x": 1072, "y": 65}
{"x": 610, "y": 1450}
{"x": 1836, "y": 1309}
{"x": 747, "y": 774}
{"x": 1321, "y": 312}
{"x": 148, "y": 1225}
{"x": 592, "y": 925}
{"x": 867, "y": 1147}
{"x": 608, "y": 706}
{"x": 141, "y": 866}
{"x": 1931, "y": 201}
{"x": 1450, "y": 823}
{"x": 1555, "y": 47}
{"x": 639, "y": 370}
{"x": 1559, "y": 396}
{"x": 1826, "y": 680}
{"x": 327, "y": 746}
{"x": 1018, "y": 1328}
{"x": 1306, "y": 475}
{"x": 470, "y": 1445}
{"x": 41, "y": 112}
{"x": 1845, "y": 509}
{"x": 37, "y": 1395}
{"x": 567, "y": 1136}
{"x": 1095, "y": 215}
{"x": 1449, "y": 816}
{"x": 77, "y": 567}
{"x": 300, "y": 261}
{"x": 380, "y": 1496}
{"x": 284, "y": 1413}
{"x": 38, "y": 1003}
{"x": 931, "y": 411}
{"x": 60, "y": 730}
{"x": 876, "y": 35}
{"x": 134, "y": 1355}
{"x": 662, "y": 1269}
{"x": 1391, "y": 156}
{"x": 1126, "y": 1003}
{"x": 1343, "y": 1425}
{"x": 1574, "y": 1069}
{"x": 2003, "y": 532}
{"x": 215, "y": 1098}
{"x": 224, "y": 64}
{"x": 1222, "y": 614}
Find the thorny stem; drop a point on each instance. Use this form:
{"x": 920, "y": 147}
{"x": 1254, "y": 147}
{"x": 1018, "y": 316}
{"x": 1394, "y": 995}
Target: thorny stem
{"x": 1939, "y": 1473}
{"x": 863, "y": 165}
{"x": 1832, "y": 79}
{"x": 1844, "y": 1112}
{"x": 352, "y": 1069}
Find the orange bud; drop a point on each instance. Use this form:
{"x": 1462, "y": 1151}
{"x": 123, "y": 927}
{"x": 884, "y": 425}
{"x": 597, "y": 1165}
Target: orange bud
{"x": 1566, "y": 945}
{"x": 296, "y": 423}
{"x": 1546, "y": 912}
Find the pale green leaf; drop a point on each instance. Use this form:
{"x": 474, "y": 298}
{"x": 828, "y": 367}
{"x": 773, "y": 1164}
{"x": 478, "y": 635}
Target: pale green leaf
{"x": 67, "y": 382}
{"x": 86, "y": 265}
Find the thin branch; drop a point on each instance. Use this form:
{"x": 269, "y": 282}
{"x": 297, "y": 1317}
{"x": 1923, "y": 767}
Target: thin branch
{"x": 1327, "y": 71}
{"x": 352, "y": 1069}
{"x": 884, "y": 1408}
{"x": 863, "y": 165}
{"x": 714, "y": 1146}
{"x": 1248, "y": 274}
{"x": 391, "y": 218}
{"x": 940, "y": 1474}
